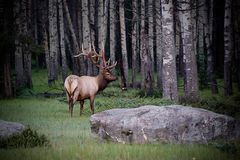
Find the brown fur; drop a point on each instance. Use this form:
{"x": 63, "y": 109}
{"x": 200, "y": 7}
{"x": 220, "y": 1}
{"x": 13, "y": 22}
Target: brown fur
{"x": 86, "y": 87}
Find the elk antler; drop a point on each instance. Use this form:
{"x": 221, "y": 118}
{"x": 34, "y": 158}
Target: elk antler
{"x": 102, "y": 52}
{"x": 91, "y": 54}
{"x": 106, "y": 64}
{"x": 81, "y": 54}
{"x": 112, "y": 66}
{"x": 87, "y": 53}
{"x": 94, "y": 57}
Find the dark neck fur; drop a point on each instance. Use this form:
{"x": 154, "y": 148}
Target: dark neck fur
{"x": 102, "y": 83}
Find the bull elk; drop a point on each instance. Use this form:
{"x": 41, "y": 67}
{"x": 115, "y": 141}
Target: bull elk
{"x": 86, "y": 87}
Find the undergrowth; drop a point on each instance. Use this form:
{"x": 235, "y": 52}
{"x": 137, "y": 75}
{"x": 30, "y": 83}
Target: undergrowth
{"x": 217, "y": 103}
{"x": 28, "y": 138}
{"x": 231, "y": 147}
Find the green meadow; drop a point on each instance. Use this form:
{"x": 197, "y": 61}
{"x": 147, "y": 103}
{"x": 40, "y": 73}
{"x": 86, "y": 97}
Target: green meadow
{"x": 71, "y": 138}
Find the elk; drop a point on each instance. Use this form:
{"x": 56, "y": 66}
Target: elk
{"x": 86, "y": 87}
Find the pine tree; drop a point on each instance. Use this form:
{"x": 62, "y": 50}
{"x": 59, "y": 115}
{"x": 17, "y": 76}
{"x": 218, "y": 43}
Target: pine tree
{"x": 53, "y": 43}
{"x": 228, "y": 48}
{"x": 190, "y": 64}
{"x": 123, "y": 44}
{"x": 169, "y": 75}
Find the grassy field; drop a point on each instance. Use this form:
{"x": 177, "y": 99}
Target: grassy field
{"x": 70, "y": 138}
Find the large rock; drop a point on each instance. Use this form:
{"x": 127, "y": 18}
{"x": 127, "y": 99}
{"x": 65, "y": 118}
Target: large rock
{"x": 166, "y": 124}
{"x": 8, "y": 129}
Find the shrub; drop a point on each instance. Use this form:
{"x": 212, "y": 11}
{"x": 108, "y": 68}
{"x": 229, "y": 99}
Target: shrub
{"x": 28, "y": 138}
{"x": 220, "y": 104}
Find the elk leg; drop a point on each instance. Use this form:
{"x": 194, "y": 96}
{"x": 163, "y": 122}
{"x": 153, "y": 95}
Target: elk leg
{"x": 92, "y": 104}
{"x": 81, "y": 107}
{"x": 71, "y": 108}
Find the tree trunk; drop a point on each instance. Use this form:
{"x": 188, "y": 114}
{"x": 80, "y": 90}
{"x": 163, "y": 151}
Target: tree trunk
{"x": 86, "y": 33}
{"x": 45, "y": 40}
{"x": 212, "y": 56}
{"x": 123, "y": 44}
{"x": 146, "y": 65}
{"x": 201, "y": 56}
{"x": 79, "y": 22}
{"x": 43, "y": 36}
{"x": 92, "y": 14}
{"x": 102, "y": 22}
{"x": 78, "y": 65}
{"x": 27, "y": 66}
{"x": 237, "y": 52}
{"x": 159, "y": 44}
{"x": 18, "y": 46}
{"x": 151, "y": 35}
{"x": 169, "y": 75}
{"x": 93, "y": 28}
{"x": 194, "y": 18}
{"x": 236, "y": 35}
{"x": 28, "y": 54}
{"x": 6, "y": 47}
{"x": 190, "y": 76}
{"x": 22, "y": 43}
{"x": 7, "y": 76}
{"x": 105, "y": 20}
{"x": 112, "y": 32}
{"x": 53, "y": 43}
{"x": 207, "y": 20}
{"x": 142, "y": 45}
{"x": 228, "y": 48}
{"x": 134, "y": 42}
{"x": 35, "y": 17}
{"x": 61, "y": 41}
{"x": 146, "y": 54}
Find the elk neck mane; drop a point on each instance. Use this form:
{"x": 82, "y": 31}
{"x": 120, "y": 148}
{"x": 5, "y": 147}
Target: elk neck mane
{"x": 102, "y": 83}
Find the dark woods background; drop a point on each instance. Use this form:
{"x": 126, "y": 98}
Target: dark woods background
{"x": 156, "y": 42}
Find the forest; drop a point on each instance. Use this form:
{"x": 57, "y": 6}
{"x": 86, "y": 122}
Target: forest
{"x": 166, "y": 52}
{"x": 162, "y": 41}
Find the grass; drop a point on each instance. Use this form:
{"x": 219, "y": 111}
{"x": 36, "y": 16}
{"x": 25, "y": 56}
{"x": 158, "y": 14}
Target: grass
{"x": 70, "y": 138}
